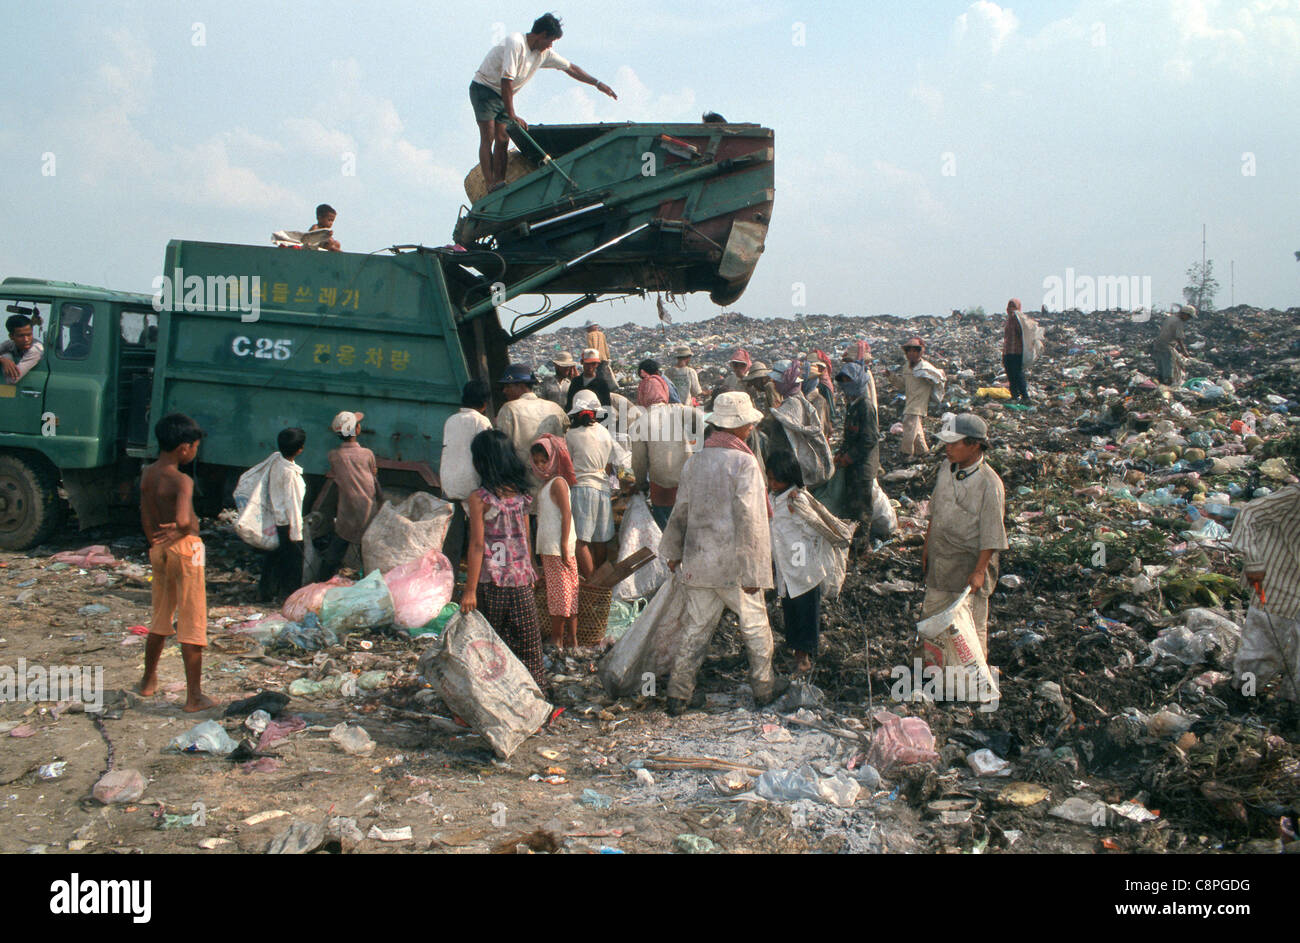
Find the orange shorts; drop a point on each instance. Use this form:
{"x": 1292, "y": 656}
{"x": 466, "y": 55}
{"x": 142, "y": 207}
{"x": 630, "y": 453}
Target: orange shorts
{"x": 178, "y": 591}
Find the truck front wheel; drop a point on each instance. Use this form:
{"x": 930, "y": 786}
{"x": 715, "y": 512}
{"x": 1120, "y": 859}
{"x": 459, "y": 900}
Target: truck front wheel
{"x": 30, "y": 509}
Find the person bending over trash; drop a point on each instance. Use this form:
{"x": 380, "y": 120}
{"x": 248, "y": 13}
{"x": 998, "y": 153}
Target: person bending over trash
{"x": 1267, "y": 533}
{"x": 505, "y": 70}
{"x": 717, "y": 541}
{"x": 966, "y": 529}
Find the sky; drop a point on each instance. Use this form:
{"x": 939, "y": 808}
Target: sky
{"x": 929, "y": 155}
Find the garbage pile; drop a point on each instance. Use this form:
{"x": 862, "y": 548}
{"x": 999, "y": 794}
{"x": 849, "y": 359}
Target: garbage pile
{"x": 1120, "y": 605}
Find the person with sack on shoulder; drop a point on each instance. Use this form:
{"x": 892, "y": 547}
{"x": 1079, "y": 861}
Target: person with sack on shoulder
{"x": 282, "y": 568}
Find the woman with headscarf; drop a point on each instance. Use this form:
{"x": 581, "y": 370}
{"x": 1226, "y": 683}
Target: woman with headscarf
{"x": 661, "y": 440}
{"x": 821, "y": 399}
{"x": 648, "y": 370}
{"x": 858, "y": 458}
{"x": 735, "y": 380}
{"x": 557, "y": 542}
{"x": 801, "y": 424}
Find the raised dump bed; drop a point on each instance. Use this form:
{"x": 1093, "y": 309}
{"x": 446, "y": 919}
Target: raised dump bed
{"x": 671, "y": 207}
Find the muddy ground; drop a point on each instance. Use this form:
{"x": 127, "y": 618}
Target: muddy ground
{"x": 1226, "y": 785}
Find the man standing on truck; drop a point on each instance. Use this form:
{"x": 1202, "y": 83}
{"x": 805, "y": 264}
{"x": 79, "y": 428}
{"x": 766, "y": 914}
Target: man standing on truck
{"x": 21, "y": 351}
{"x": 506, "y": 69}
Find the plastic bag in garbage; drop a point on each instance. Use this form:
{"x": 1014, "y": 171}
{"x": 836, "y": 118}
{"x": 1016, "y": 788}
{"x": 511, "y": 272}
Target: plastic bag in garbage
{"x": 901, "y": 740}
{"x": 365, "y": 605}
{"x": 482, "y": 681}
{"x": 638, "y": 531}
{"x": 207, "y": 737}
{"x": 1202, "y": 631}
{"x": 308, "y": 598}
{"x": 791, "y": 785}
{"x": 883, "y": 519}
{"x": 405, "y": 531}
{"x": 255, "y": 523}
{"x": 420, "y": 589}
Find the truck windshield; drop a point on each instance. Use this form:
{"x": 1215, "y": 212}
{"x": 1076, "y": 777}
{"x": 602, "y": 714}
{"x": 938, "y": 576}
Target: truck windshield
{"x": 76, "y": 329}
{"x": 139, "y": 329}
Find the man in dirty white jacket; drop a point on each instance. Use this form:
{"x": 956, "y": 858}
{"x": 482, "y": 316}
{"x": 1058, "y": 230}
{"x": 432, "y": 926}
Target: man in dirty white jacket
{"x": 717, "y": 541}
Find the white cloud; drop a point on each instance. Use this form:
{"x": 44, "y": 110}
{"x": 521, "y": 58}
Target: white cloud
{"x": 987, "y": 25}
{"x": 310, "y": 136}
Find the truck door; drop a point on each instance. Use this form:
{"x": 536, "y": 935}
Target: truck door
{"x": 78, "y": 395}
{"x": 22, "y": 404}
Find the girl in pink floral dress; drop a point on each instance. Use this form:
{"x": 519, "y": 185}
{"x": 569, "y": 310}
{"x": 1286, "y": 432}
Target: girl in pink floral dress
{"x": 499, "y": 563}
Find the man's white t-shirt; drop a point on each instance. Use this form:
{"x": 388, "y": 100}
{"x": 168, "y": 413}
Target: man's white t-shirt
{"x": 513, "y": 60}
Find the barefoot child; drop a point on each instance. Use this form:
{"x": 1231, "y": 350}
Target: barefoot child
{"x": 176, "y": 553}
{"x": 557, "y": 542}
{"x": 804, "y": 539}
{"x": 499, "y": 565}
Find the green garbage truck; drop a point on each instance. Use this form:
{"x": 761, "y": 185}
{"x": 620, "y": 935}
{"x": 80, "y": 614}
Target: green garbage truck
{"x": 251, "y": 339}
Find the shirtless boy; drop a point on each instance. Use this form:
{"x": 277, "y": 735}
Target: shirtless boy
{"x": 177, "y": 555}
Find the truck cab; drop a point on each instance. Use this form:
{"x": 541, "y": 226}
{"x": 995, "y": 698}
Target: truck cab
{"x": 71, "y": 416}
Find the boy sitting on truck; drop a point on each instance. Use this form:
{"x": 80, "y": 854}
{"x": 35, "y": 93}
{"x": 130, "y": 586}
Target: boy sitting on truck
{"x": 177, "y": 555}
{"x": 356, "y": 477}
{"x": 325, "y": 216}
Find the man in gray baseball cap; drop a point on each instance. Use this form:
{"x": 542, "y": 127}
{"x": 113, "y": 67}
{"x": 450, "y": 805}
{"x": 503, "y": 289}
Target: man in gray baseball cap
{"x": 966, "y": 529}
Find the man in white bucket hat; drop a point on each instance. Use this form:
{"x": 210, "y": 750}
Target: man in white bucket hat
{"x": 718, "y": 544}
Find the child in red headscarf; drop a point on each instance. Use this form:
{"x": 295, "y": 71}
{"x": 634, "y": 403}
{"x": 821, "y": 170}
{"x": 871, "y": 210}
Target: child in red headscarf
{"x": 557, "y": 541}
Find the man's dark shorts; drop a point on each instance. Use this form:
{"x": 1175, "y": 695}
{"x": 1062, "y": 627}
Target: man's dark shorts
{"x": 488, "y": 105}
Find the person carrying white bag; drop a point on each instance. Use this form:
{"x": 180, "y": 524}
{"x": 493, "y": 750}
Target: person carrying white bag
{"x": 270, "y": 498}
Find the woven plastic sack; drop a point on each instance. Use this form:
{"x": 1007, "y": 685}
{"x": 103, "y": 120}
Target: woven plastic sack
{"x": 484, "y": 683}
{"x": 648, "y": 647}
{"x": 308, "y": 598}
{"x": 420, "y": 589}
{"x": 639, "y": 530}
{"x": 405, "y": 531}
{"x": 366, "y": 604}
